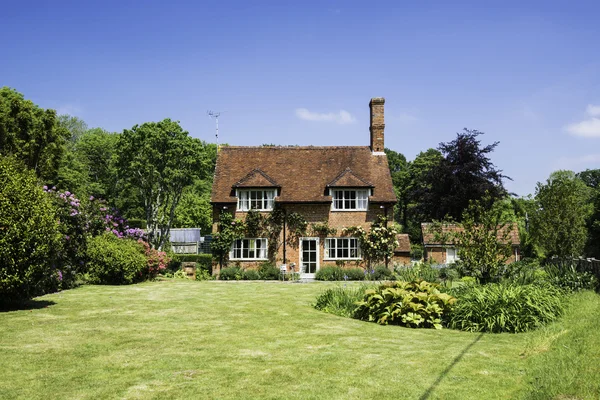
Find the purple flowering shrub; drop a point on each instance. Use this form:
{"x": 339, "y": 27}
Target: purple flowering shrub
{"x": 79, "y": 221}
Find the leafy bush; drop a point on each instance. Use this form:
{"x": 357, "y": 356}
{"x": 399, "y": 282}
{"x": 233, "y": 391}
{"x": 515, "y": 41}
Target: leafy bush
{"x": 180, "y": 274}
{"x": 418, "y": 271}
{"x": 114, "y": 261}
{"x": 414, "y": 304}
{"x": 354, "y": 274}
{"x": 381, "y": 273}
{"x": 29, "y": 235}
{"x": 157, "y": 261}
{"x": 268, "y": 271}
{"x": 330, "y": 274}
{"x": 203, "y": 274}
{"x": 505, "y": 307}
{"x": 524, "y": 272}
{"x": 250, "y": 275}
{"x": 231, "y": 274}
{"x": 340, "y": 300}
{"x": 567, "y": 277}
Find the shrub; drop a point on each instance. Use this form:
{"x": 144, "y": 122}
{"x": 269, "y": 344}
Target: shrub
{"x": 354, "y": 274}
{"x": 203, "y": 274}
{"x": 567, "y": 277}
{"x": 114, "y": 261}
{"x": 418, "y": 271}
{"x": 157, "y": 261}
{"x": 180, "y": 274}
{"x": 268, "y": 271}
{"x": 29, "y": 235}
{"x": 524, "y": 272}
{"x": 414, "y": 304}
{"x": 505, "y": 307}
{"x": 330, "y": 274}
{"x": 340, "y": 300}
{"x": 381, "y": 273}
{"x": 231, "y": 274}
{"x": 250, "y": 275}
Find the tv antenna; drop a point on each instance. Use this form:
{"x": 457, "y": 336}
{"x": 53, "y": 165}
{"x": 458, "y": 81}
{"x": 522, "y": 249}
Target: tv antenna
{"x": 215, "y": 115}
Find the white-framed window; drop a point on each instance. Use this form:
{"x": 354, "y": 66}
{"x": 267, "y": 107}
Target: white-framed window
{"x": 342, "y": 249}
{"x": 249, "y": 249}
{"x": 260, "y": 200}
{"x": 350, "y": 199}
{"x": 451, "y": 255}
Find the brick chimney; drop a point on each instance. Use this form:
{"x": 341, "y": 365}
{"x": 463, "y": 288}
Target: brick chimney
{"x": 377, "y": 125}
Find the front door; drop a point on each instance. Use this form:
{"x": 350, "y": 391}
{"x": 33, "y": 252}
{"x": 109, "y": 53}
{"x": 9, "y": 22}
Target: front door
{"x": 309, "y": 257}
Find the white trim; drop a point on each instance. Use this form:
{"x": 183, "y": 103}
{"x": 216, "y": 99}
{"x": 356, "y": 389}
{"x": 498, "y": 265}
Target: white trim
{"x": 326, "y": 256}
{"x": 264, "y": 250}
{"x": 306, "y": 275}
{"x": 378, "y": 153}
{"x": 359, "y": 197}
{"x": 267, "y": 199}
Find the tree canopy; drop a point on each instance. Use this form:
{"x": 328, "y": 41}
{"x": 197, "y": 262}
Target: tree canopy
{"x": 160, "y": 159}
{"x": 30, "y": 133}
{"x": 562, "y": 208}
{"x": 465, "y": 173}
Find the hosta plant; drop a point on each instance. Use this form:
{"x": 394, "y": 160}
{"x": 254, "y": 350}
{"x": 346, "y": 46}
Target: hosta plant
{"x": 417, "y": 304}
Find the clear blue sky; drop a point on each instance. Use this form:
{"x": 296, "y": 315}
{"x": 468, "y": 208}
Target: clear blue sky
{"x": 303, "y": 72}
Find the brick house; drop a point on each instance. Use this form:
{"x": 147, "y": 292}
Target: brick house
{"x": 445, "y": 253}
{"x": 341, "y": 186}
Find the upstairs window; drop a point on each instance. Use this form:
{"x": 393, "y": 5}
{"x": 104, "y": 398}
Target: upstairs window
{"x": 249, "y": 249}
{"x": 260, "y": 200}
{"x": 350, "y": 199}
{"x": 342, "y": 249}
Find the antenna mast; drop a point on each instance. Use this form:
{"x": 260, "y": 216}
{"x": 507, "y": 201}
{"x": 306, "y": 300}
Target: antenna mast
{"x": 215, "y": 115}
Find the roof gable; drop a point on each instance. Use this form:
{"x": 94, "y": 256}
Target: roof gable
{"x": 347, "y": 178}
{"x": 302, "y": 173}
{"x": 256, "y": 178}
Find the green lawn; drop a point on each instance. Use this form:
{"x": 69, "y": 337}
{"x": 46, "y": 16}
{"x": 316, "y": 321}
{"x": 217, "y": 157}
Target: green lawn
{"x": 231, "y": 340}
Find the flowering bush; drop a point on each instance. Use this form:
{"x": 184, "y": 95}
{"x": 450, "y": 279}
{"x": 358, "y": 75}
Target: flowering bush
{"x": 157, "y": 261}
{"x": 379, "y": 242}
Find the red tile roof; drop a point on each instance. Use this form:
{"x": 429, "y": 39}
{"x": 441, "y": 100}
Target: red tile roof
{"x": 349, "y": 179}
{"x": 303, "y": 173}
{"x": 256, "y": 178}
{"x": 403, "y": 244}
{"x": 429, "y": 236}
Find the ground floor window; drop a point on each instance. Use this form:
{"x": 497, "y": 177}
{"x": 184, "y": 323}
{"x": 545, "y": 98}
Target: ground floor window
{"x": 342, "y": 249}
{"x": 249, "y": 249}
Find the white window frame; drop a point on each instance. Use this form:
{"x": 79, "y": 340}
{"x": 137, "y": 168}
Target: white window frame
{"x": 343, "y": 199}
{"x": 455, "y": 256}
{"x": 338, "y": 245}
{"x": 255, "y": 199}
{"x": 249, "y": 249}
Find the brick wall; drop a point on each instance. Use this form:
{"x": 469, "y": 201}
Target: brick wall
{"x": 313, "y": 213}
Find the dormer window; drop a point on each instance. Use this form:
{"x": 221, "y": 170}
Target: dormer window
{"x": 255, "y": 199}
{"x": 350, "y": 199}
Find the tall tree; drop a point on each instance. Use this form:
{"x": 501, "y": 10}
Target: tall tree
{"x": 562, "y": 208}
{"x": 591, "y": 177}
{"x": 466, "y": 173}
{"x": 30, "y": 133}
{"x": 160, "y": 159}
{"x": 75, "y": 125}
{"x": 88, "y": 167}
